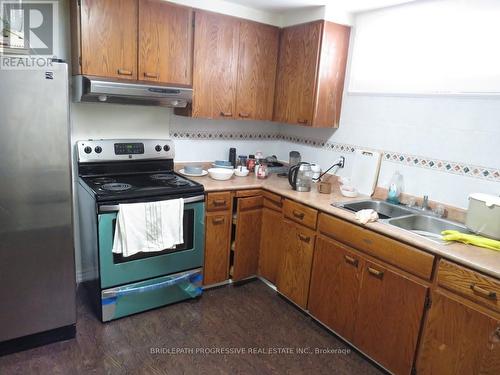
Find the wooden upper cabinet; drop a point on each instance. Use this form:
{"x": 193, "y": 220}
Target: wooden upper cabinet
{"x": 165, "y": 42}
{"x": 108, "y": 32}
{"x": 459, "y": 339}
{"x": 257, "y": 60}
{"x": 215, "y": 66}
{"x": 311, "y": 73}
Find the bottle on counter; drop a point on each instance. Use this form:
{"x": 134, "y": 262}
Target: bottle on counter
{"x": 251, "y": 163}
{"x": 232, "y": 156}
{"x": 395, "y": 188}
{"x": 262, "y": 171}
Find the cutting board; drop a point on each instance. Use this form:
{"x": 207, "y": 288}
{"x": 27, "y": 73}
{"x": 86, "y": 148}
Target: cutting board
{"x": 365, "y": 169}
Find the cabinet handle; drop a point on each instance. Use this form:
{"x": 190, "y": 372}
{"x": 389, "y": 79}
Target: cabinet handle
{"x": 244, "y": 114}
{"x": 218, "y": 220}
{"x": 302, "y": 121}
{"x": 483, "y": 292}
{"x": 219, "y": 202}
{"x": 299, "y": 215}
{"x": 226, "y": 114}
{"x": 304, "y": 238}
{"x": 124, "y": 72}
{"x": 349, "y": 259}
{"x": 375, "y": 272}
{"x": 151, "y": 75}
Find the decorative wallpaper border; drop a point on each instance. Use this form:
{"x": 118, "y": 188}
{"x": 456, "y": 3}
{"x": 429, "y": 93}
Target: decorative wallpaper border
{"x": 462, "y": 169}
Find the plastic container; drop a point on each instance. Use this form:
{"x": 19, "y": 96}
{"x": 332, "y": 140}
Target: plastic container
{"x": 483, "y": 215}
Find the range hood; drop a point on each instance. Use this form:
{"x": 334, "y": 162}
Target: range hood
{"x": 100, "y": 90}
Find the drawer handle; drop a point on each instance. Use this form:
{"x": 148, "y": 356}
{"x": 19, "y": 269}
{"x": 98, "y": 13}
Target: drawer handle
{"x": 483, "y": 292}
{"x": 218, "y": 220}
{"x": 367, "y": 241}
{"x": 151, "y": 75}
{"x": 226, "y": 114}
{"x": 298, "y": 215}
{"x": 302, "y": 121}
{"x": 353, "y": 261}
{"x": 219, "y": 202}
{"x": 375, "y": 272}
{"x": 244, "y": 114}
{"x": 304, "y": 238}
{"x": 124, "y": 72}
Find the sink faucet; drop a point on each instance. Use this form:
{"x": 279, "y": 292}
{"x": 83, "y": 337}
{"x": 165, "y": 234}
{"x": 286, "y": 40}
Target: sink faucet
{"x": 425, "y": 203}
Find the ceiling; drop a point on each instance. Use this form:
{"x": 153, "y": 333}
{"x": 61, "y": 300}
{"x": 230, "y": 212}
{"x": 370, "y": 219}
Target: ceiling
{"x": 350, "y": 6}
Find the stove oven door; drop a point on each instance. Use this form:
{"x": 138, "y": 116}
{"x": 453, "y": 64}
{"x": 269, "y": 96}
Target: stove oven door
{"x": 118, "y": 270}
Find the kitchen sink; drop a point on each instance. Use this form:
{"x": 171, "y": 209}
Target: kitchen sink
{"x": 384, "y": 209}
{"x": 426, "y": 226}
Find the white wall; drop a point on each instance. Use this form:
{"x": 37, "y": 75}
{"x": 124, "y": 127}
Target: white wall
{"x": 464, "y": 130}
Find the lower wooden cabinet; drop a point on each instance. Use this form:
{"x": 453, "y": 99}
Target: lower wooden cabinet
{"x": 247, "y": 240}
{"x": 459, "y": 338}
{"x": 295, "y": 267}
{"x": 389, "y": 316}
{"x": 335, "y": 283}
{"x": 270, "y": 244}
{"x": 217, "y": 242}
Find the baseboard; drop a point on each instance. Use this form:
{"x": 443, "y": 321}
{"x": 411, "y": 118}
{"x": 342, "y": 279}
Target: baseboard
{"x": 37, "y": 339}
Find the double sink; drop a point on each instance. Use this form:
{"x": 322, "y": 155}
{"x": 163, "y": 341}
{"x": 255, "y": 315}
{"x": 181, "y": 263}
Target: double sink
{"x": 419, "y": 222}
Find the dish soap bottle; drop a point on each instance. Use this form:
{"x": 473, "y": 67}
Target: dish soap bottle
{"x": 395, "y": 188}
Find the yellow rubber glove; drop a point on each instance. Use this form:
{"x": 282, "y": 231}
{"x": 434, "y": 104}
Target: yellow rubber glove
{"x": 453, "y": 235}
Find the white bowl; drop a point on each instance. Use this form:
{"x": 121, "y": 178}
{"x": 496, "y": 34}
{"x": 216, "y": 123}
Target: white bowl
{"x": 350, "y": 193}
{"x": 241, "y": 173}
{"x": 221, "y": 174}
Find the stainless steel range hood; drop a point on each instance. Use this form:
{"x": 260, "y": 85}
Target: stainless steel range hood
{"x": 100, "y": 90}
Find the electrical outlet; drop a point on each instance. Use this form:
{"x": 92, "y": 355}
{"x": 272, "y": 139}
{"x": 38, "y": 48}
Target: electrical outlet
{"x": 342, "y": 162}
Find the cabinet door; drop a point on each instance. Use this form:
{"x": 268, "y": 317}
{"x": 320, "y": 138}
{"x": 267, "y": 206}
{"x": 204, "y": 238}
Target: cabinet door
{"x": 217, "y": 243}
{"x": 270, "y": 244}
{"x": 247, "y": 241}
{"x": 296, "y": 80}
{"x": 389, "y": 316}
{"x": 165, "y": 42}
{"x": 257, "y": 59}
{"x": 215, "y": 65}
{"x": 109, "y": 38}
{"x": 295, "y": 268}
{"x": 335, "y": 283}
{"x": 459, "y": 339}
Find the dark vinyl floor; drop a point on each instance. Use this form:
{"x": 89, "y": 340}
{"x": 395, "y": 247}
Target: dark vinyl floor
{"x": 250, "y": 317}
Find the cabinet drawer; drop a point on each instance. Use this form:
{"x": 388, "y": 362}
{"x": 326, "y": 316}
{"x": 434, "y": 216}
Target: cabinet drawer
{"x": 248, "y": 193}
{"x": 392, "y": 251}
{"x": 219, "y": 201}
{"x": 250, "y": 203}
{"x": 300, "y": 214}
{"x": 272, "y": 201}
{"x": 470, "y": 284}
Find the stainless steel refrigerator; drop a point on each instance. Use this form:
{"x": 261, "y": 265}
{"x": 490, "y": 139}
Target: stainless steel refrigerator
{"x": 37, "y": 267}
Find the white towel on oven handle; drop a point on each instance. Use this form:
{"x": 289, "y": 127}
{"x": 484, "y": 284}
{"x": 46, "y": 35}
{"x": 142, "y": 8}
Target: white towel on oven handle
{"x": 149, "y": 227}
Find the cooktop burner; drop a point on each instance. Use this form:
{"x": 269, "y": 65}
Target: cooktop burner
{"x": 163, "y": 177}
{"x": 103, "y": 180}
{"x": 177, "y": 183}
{"x": 116, "y": 186}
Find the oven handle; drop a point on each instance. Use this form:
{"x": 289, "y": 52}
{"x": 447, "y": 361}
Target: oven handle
{"x": 116, "y": 207}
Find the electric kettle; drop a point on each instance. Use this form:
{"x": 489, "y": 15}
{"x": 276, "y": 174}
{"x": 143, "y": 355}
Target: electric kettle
{"x": 300, "y": 177}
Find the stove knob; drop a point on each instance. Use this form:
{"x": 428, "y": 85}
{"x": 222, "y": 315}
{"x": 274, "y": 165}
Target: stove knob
{"x": 87, "y": 150}
{"x": 166, "y": 148}
{"x": 158, "y": 148}
{"x": 98, "y": 149}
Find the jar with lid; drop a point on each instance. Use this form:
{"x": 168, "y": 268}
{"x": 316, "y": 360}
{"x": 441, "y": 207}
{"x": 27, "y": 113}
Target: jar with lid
{"x": 262, "y": 171}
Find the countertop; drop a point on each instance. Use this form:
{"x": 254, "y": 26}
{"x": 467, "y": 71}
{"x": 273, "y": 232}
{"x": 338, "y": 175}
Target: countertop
{"x": 483, "y": 260}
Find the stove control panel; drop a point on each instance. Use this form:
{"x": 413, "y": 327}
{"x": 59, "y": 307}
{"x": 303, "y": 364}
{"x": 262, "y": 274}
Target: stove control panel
{"x": 100, "y": 150}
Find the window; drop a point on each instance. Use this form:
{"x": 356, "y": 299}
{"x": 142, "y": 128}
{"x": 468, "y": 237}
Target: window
{"x": 429, "y": 47}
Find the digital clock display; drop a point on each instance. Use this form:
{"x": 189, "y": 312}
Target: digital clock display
{"x": 129, "y": 148}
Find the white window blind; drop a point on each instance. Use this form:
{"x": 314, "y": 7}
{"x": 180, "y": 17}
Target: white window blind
{"x": 428, "y": 47}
